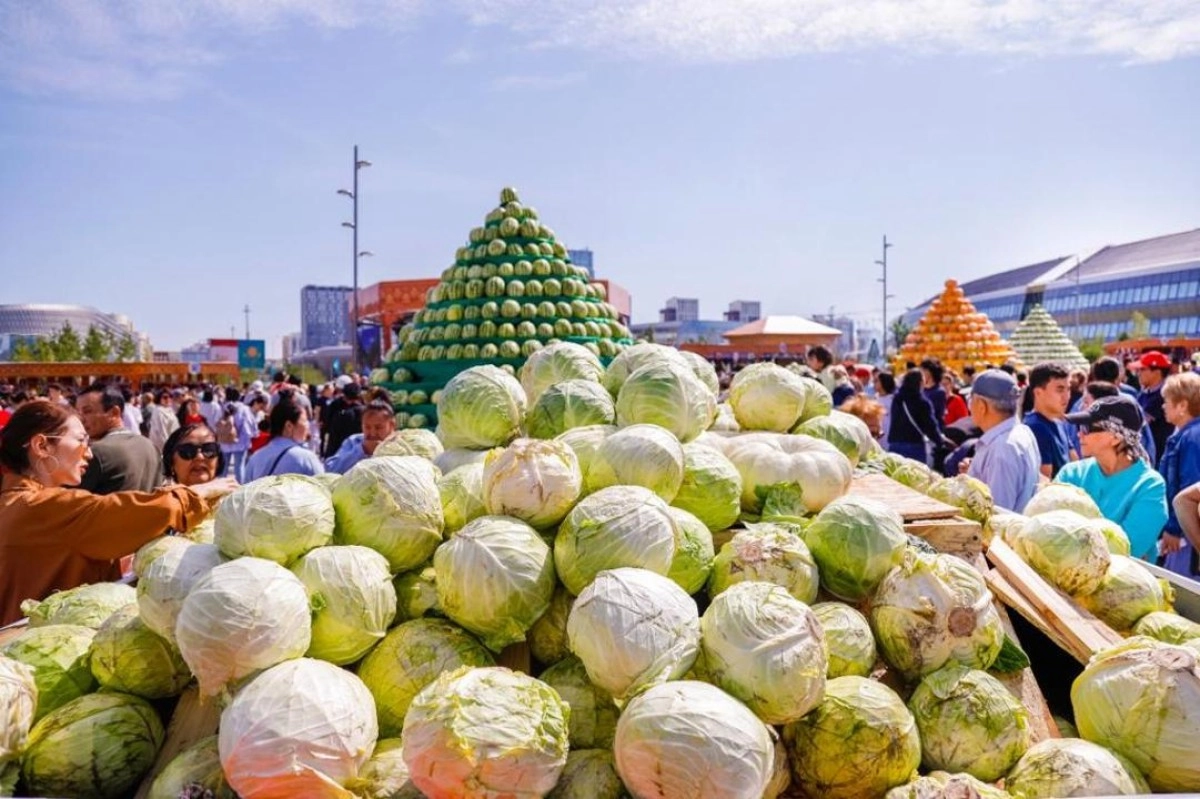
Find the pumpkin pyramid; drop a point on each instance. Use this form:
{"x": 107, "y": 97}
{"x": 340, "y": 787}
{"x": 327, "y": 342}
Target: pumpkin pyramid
{"x": 954, "y": 332}
{"x": 1039, "y": 339}
{"x": 511, "y": 290}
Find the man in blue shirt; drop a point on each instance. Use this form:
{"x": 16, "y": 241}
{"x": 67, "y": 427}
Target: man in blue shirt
{"x": 1049, "y": 384}
{"x": 378, "y": 422}
{"x": 1006, "y": 456}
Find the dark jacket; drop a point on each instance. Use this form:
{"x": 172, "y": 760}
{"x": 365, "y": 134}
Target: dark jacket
{"x": 912, "y": 420}
{"x": 343, "y": 418}
{"x": 123, "y": 461}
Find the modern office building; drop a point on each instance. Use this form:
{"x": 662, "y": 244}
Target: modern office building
{"x": 30, "y": 322}
{"x": 324, "y": 316}
{"x": 584, "y": 258}
{"x": 1095, "y": 296}
{"x": 744, "y": 311}
{"x": 679, "y": 322}
{"x": 680, "y": 309}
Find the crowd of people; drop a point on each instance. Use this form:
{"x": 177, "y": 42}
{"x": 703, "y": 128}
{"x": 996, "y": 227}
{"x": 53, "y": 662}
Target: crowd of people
{"x": 1128, "y": 434}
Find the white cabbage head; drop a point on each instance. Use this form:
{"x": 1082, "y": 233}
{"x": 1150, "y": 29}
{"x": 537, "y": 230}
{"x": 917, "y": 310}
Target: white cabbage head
{"x": 1127, "y": 593}
{"x": 392, "y": 505}
{"x": 18, "y": 700}
{"x": 411, "y": 441}
{"x": 86, "y": 605}
{"x": 668, "y": 395}
{"x": 1063, "y": 496}
{"x": 486, "y": 732}
{"x": 301, "y": 728}
{"x": 856, "y": 542}
{"x": 1066, "y": 549}
{"x": 630, "y": 359}
{"x": 766, "y": 460}
{"x": 849, "y": 639}
{"x": 278, "y": 518}
{"x": 766, "y": 396}
{"x": 242, "y": 617}
{"x": 769, "y": 553}
{"x": 532, "y": 480}
{"x": 642, "y": 455}
{"x": 1061, "y": 767}
{"x": 692, "y": 739}
{"x": 633, "y": 628}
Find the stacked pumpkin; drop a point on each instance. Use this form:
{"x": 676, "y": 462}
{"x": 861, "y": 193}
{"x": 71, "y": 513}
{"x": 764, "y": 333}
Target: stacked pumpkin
{"x": 957, "y": 334}
{"x": 1039, "y": 339}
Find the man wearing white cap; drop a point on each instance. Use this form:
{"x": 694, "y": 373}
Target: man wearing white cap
{"x": 1006, "y": 457}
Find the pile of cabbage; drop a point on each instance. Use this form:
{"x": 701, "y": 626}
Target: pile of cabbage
{"x": 708, "y": 613}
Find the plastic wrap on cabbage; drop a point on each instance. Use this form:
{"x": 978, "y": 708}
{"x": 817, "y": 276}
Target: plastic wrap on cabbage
{"x": 1126, "y": 594}
{"x": 969, "y": 722}
{"x": 691, "y": 739}
{"x": 418, "y": 443}
{"x": 593, "y": 717}
{"x": 480, "y": 408}
{"x": 641, "y": 455}
{"x": 277, "y": 517}
{"x": 964, "y": 492}
{"x": 848, "y": 638}
{"x": 770, "y": 553}
{"x": 668, "y": 395}
{"x": 196, "y": 769}
{"x": 353, "y": 600}
{"x": 633, "y": 628}
{"x": 60, "y": 657}
{"x": 766, "y": 648}
{"x": 95, "y": 747}
{"x": 860, "y": 741}
{"x": 548, "y": 636}
{"x": 495, "y": 578}
{"x": 86, "y": 606}
{"x": 532, "y": 480}
{"x": 1170, "y": 628}
{"x": 128, "y": 656}
{"x": 588, "y": 774}
{"x": 935, "y": 610}
{"x": 18, "y": 701}
{"x": 711, "y": 489}
{"x": 1066, "y": 767}
{"x": 301, "y": 728}
{"x": 940, "y": 785}
{"x": 1064, "y": 548}
{"x": 570, "y": 404}
{"x": 1141, "y": 699}
{"x": 491, "y": 727}
{"x": 845, "y": 431}
{"x": 1063, "y": 496}
{"x": 856, "y": 542}
{"x": 392, "y": 505}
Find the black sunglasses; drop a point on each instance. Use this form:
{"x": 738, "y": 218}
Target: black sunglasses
{"x": 188, "y": 452}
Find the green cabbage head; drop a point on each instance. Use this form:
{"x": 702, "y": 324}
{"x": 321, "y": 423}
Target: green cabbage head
{"x": 711, "y": 489}
{"x": 461, "y": 491}
{"x": 769, "y": 553}
{"x": 1114, "y": 535}
{"x": 1063, "y": 496}
{"x": 641, "y": 455}
{"x": 694, "y": 553}
{"x": 416, "y": 593}
{"x": 87, "y": 605}
{"x": 1072, "y": 767}
{"x": 385, "y": 776}
{"x": 1126, "y": 594}
{"x": 411, "y": 657}
{"x": 532, "y": 480}
{"x": 765, "y": 647}
{"x": 585, "y": 442}
{"x": 60, "y": 657}
{"x": 845, "y": 431}
{"x": 972, "y": 497}
{"x": 593, "y": 719}
{"x": 128, "y": 656}
{"x": 856, "y": 542}
{"x": 548, "y": 636}
{"x": 849, "y": 640}
{"x": 278, "y": 518}
{"x": 969, "y": 722}
{"x": 556, "y": 364}
{"x": 392, "y": 505}
{"x": 766, "y": 396}
{"x": 486, "y": 726}
{"x": 495, "y": 578}
{"x": 151, "y": 551}
{"x": 1066, "y": 549}
{"x": 95, "y": 747}
{"x": 1141, "y": 699}
{"x": 570, "y": 404}
{"x": 1170, "y": 628}
{"x": 860, "y": 741}
{"x": 633, "y": 358}
{"x": 692, "y": 739}
{"x": 668, "y": 395}
{"x": 198, "y": 766}
{"x": 419, "y": 443}
{"x": 353, "y": 600}
{"x": 167, "y": 582}
{"x": 480, "y": 408}
{"x": 588, "y": 774}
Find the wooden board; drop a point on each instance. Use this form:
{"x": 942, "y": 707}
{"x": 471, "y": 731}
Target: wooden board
{"x": 911, "y": 504}
{"x": 192, "y": 720}
{"x": 954, "y": 536}
{"x": 1060, "y": 617}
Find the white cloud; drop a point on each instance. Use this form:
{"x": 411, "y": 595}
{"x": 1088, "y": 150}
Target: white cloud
{"x": 536, "y": 82}
{"x": 137, "y": 49}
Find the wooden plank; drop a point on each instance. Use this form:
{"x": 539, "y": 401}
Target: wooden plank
{"x": 516, "y": 657}
{"x": 1082, "y": 632}
{"x": 956, "y": 536}
{"x": 193, "y": 720}
{"x": 911, "y": 504}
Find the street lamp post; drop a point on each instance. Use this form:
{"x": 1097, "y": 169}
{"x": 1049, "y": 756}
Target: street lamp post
{"x": 353, "y": 195}
{"x": 886, "y": 296}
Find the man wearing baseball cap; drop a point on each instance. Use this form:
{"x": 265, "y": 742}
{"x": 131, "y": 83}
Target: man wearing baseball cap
{"x": 1116, "y": 473}
{"x": 1006, "y": 456}
{"x": 1153, "y": 370}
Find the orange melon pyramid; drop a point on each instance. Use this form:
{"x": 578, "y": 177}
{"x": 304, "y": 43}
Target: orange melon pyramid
{"x": 953, "y": 331}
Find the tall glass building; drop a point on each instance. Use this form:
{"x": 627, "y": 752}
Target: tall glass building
{"x": 324, "y": 316}
{"x": 1096, "y": 296}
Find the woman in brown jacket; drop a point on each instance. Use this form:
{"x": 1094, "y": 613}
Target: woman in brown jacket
{"x": 53, "y": 537}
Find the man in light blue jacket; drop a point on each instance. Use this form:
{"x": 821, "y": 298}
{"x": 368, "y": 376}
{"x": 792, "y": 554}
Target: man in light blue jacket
{"x": 378, "y": 422}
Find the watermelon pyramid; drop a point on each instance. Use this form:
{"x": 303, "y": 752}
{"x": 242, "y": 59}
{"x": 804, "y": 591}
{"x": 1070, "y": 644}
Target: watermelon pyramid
{"x": 1039, "y": 339}
{"x": 957, "y": 334}
{"x": 511, "y": 290}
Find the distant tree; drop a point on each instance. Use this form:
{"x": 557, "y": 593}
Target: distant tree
{"x": 900, "y": 332}
{"x": 67, "y": 344}
{"x": 97, "y": 346}
{"x": 1139, "y": 325}
{"x": 21, "y": 351}
{"x": 1092, "y": 349}
{"x": 44, "y": 351}
{"x": 126, "y": 349}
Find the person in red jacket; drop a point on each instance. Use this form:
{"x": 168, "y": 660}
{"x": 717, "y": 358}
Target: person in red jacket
{"x": 956, "y": 406}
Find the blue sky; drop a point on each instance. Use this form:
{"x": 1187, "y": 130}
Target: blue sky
{"x": 174, "y": 161}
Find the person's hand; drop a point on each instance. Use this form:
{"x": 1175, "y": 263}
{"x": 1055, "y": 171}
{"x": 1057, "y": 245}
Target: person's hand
{"x": 963, "y": 465}
{"x": 1169, "y": 544}
{"x": 215, "y": 489}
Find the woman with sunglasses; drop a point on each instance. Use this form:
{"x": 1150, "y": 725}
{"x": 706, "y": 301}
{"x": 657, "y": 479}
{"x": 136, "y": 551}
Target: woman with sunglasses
{"x": 53, "y": 536}
{"x": 1116, "y": 472}
{"x": 192, "y": 456}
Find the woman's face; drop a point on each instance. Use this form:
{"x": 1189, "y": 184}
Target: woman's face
{"x": 1176, "y": 412}
{"x": 194, "y": 460}
{"x": 1096, "y": 442}
{"x": 948, "y": 384}
{"x": 297, "y": 431}
{"x": 66, "y": 455}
